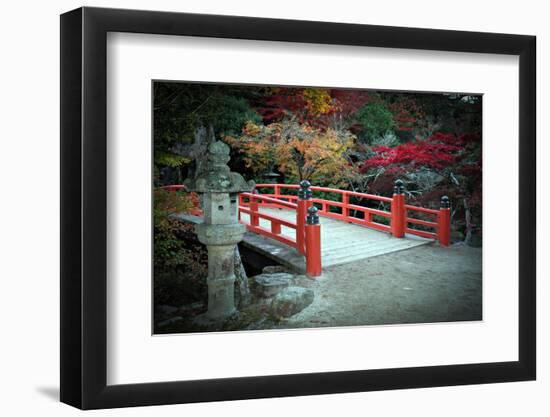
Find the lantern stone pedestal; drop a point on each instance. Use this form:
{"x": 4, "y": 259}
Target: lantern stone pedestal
{"x": 220, "y": 241}
{"x": 221, "y": 230}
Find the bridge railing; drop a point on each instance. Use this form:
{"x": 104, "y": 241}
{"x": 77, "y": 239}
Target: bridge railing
{"x": 249, "y": 204}
{"x": 401, "y": 217}
{"x": 346, "y": 211}
{"x": 307, "y": 232}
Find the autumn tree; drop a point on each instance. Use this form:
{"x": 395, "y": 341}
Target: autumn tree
{"x": 443, "y": 164}
{"x": 297, "y": 150}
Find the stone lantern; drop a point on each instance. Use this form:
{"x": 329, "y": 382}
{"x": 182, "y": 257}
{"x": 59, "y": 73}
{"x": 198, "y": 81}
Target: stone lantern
{"x": 221, "y": 230}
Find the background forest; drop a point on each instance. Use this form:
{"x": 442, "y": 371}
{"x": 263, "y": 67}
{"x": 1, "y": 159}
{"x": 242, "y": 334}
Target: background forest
{"x": 359, "y": 140}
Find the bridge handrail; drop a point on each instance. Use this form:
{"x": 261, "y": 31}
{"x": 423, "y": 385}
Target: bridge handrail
{"x": 400, "y": 219}
{"x": 345, "y": 205}
{"x": 307, "y": 239}
{"x": 282, "y": 222}
{"x": 270, "y": 200}
{"x": 421, "y": 209}
{"x": 274, "y": 232}
{"x": 329, "y": 190}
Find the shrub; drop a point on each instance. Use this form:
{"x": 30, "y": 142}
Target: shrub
{"x": 180, "y": 260}
{"x": 375, "y": 120}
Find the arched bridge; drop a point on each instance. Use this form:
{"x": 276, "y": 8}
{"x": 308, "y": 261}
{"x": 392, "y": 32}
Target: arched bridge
{"x": 349, "y": 231}
{"x": 283, "y": 221}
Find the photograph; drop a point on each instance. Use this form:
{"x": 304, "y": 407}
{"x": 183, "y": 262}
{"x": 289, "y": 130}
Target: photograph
{"x": 256, "y": 209}
{"x": 281, "y": 207}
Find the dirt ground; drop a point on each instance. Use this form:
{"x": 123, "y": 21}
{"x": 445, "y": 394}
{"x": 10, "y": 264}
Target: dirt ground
{"x": 426, "y": 284}
{"x": 420, "y": 285}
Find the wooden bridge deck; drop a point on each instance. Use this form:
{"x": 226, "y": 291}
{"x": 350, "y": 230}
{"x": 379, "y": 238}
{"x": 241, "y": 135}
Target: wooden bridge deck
{"x": 341, "y": 242}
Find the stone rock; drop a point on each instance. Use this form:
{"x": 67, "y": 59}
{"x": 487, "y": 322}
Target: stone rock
{"x": 267, "y": 285}
{"x": 305, "y": 281}
{"x": 242, "y": 289}
{"x": 291, "y": 301}
{"x": 273, "y": 269}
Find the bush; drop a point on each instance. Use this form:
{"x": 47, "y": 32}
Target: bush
{"x": 376, "y": 120}
{"x": 180, "y": 264}
{"x": 180, "y": 260}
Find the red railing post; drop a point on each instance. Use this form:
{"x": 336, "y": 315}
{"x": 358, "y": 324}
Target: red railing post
{"x": 398, "y": 212}
{"x": 313, "y": 243}
{"x": 304, "y": 202}
{"x": 254, "y": 219}
{"x": 444, "y": 222}
{"x": 275, "y": 228}
{"x": 368, "y": 216}
{"x": 345, "y": 202}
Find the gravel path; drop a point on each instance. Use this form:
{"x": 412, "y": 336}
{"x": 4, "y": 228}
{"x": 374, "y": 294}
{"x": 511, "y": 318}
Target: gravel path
{"x": 420, "y": 285}
{"x": 426, "y": 284}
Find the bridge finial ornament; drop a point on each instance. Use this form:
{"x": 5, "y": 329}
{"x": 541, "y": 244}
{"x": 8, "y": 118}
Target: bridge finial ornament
{"x": 305, "y": 193}
{"x": 445, "y": 202}
{"x": 312, "y": 216}
{"x": 399, "y": 187}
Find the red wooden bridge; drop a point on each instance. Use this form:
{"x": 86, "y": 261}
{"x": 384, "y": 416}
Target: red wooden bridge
{"x": 284, "y": 224}
{"x": 289, "y": 214}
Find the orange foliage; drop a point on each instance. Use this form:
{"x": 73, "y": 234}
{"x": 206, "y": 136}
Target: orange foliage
{"x": 299, "y": 151}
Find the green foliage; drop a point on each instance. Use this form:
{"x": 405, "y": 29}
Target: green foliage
{"x": 179, "y": 109}
{"x": 180, "y": 260}
{"x": 180, "y": 264}
{"x": 375, "y": 120}
{"x": 170, "y": 160}
{"x": 168, "y": 243}
{"x": 228, "y": 114}
{"x": 169, "y": 202}
{"x": 168, "y": 248}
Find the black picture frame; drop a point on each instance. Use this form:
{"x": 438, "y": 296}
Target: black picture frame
{"x": 84, "y": 207}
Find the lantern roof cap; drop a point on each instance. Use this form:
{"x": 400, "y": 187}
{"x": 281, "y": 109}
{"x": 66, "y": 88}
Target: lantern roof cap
{"x": 215, "y": 176}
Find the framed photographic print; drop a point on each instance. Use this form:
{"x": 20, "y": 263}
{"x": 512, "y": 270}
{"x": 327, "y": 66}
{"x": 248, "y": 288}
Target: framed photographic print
{"x": 256, "y": 208}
